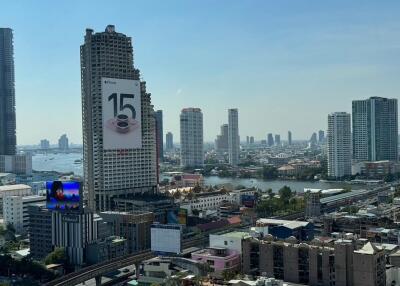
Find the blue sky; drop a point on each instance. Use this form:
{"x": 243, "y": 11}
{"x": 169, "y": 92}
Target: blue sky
{"x": 285, "y": 64}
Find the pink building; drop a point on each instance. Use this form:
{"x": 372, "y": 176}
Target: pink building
{"x": 218, "y": 258}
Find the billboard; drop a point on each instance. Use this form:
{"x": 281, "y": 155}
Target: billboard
{"x": 166, "y": 238}
{"x": 121, "y": 108}
{"x": 63, "y": 196}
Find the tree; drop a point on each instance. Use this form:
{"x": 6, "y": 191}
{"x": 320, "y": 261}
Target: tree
{"x": 285, "y": 194}
{"x": 269, "y": 172}
{"x": 228, "y": 275}
{"x": 58, "y": 256}
{"x": 270, "y": 193}
{"x": 177, "y": 194}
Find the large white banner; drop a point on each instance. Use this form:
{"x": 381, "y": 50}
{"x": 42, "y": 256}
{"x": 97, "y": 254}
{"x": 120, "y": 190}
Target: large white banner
{"x": 121, "y": 113}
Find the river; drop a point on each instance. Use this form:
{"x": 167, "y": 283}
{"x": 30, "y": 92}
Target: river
{"x": 66, "y": 162}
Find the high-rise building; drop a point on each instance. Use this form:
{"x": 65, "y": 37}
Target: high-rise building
{"x": 247, "y": 140}
{"x": 277, "y": 139}
{"x": 313, "y": 139}
{"x": 233, "y": 136}
{"x": 159, "y": 135}
{"x": 251, "y": 140}
{"x": 321, "y": 136}
{"x": 44, "y": 144}
{"x": 289, "y": 137}
{"x": 270, "y": 139}
{"x": 8, "y": 139}
{"x": 191, "y": 137}
{"x": 375, "y": 129}
{"x": 221, "y": 143}
{"x": 119, "y": 136}
{"x": 40, "y": 239}
{"x": 169, "y": 141}
{"x": 339, "y": 144}
{"x": 63, "y": 142}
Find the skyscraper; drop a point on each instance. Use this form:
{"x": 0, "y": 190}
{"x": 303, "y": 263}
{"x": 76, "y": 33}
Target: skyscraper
{"x": 277, "y": 139}
{"x": 270, "y": 139}
{"x": 251, "y": 139}
{"x": 169, "y": 141}
{"x": 191, "y": 120}
{"x": 375, "y": 129}
{"x": 313, "y": 139}
{"x": 221, "y": 143}
{"x": 119, "y": 138}
{"x": 321, "y": 136}
{"x": 289, "y": 137}
{"x": 233, "y": 136}
{"x": 63, "y": 142}
{"x": 160, "y": 134}
{"x": 8, "y": 139}
{"x": 339, "y": 145}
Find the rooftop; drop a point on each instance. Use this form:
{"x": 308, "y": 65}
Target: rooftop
{"x": 14, "y": 187}
{"x": 292, "y": 224}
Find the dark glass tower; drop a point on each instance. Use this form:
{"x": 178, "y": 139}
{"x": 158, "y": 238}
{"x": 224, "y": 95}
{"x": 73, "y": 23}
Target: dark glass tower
{"x": 8, "y": 139}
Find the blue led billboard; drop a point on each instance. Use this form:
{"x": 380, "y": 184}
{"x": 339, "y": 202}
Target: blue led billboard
{"x": 63, "y": 196}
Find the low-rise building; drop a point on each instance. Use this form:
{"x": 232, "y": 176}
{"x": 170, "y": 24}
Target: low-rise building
{"x": 301, "y": 230}
{"x": 40, "y": 235}
{"x": 219, "y": 259}
{"x": 105, "y": 249}
{"x": 15, "y": 211}
{"x": 13, "y": 190}
{"x": 7, "y": 179}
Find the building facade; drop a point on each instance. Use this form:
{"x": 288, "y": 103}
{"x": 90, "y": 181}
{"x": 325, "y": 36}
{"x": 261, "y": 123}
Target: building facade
{"x": 277, "y": 139}
{"x": 233, "y": 136}
{"x": 169, "y": 144}
{"x": 270, "y": 140}
{"x": 289, "y": 137}
{"x": 191, "y": 120}
{"x": 339, "y": 145}
{"x": 375, "y": 129}
{"x": 113, "y": 172}
{"x": 8, "y": 140}
{"x": 40, "y": 242}
{"x": 63, "y": 143}
{"x": 160, "y": 134}
{"x": 222, "y": 142}
{"x": 15, "y": 211}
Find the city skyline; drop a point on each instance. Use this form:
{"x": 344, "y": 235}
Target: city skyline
{"x": 345, "y": 52}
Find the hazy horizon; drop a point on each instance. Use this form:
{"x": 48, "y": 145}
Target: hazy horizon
{"x": 284, "y": 64}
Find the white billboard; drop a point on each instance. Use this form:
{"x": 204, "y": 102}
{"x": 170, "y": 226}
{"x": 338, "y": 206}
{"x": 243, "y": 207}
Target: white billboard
{"x": 121, "y": 107}
{"x": 166, "y": 238}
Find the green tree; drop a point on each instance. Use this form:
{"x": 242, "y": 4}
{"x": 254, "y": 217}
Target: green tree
{"x": 58, "y": 256}
{"x": 285, "y": 194}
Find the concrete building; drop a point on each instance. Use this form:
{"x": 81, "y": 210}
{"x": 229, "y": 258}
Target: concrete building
{"x": 251, "y": 139}
{"x": 7, "y": 179}
{"x": 339, "y": 145}
{"x": 15, "y": 211}
{"x": 313, "y": 204}
{"x": 13, "y": 190}
{"x": 233, "y": 136}
{"x": 191, "y": 121}
{"x": 20, "y": 164}
{"x": 232, "y": 241}
{"x": 321, "y": 136}
{"x": 133, "y": 226}
{"x": 315, "y": 263}
{"x": 219, "y": 259}
{"x": 289, "y": 136}
{"x": 169, "y": 141}
{"x": 270, "y": 140}
{"x": 277, "y": 140}
{"x": 111, "y": 173}
{"x": 369, "y": 265}
{"x": 222, "y": 142}
{"x": 105, "y": 249}
{"x": 159, "y": 134}
{"x": 44, "y": 144}
{"x": 8, "y": 140}
{"x": 375, "y": 129}
{"x": 63, "y": 143}
{"x": 282, "y": 229}
{"x": 40, "y": 242}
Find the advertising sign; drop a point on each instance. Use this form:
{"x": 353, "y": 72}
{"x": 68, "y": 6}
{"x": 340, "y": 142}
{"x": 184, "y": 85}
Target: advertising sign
{"x": 63, "y": 196}
{"x": 121, "y": 107}
{"x": 166, "y": 238}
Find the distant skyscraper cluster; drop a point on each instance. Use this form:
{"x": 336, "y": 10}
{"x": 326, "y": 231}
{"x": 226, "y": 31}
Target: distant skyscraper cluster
{"x": 374, "y": 137}
{"x": 192, "y": 154}
{"x": 8, "y": 138}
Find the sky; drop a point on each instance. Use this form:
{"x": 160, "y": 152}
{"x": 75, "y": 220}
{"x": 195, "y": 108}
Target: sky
{"x": 284, "y": 64}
